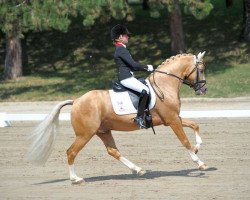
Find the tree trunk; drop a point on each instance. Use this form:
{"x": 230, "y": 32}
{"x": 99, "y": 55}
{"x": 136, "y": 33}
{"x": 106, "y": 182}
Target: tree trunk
{"x": 176, "y": 29}
{"x": 13, "y": 59}
{"x": 25, "y": 59}
{"x": 246, "y": 21}
{"x": 145, "y": 5}
{"x": 229, "y": 3}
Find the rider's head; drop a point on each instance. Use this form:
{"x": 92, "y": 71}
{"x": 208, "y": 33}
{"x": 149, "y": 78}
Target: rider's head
{"x": 119, "y": 34}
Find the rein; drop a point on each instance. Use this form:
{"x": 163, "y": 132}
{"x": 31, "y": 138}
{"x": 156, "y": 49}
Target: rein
{"x": 194, "y": 85}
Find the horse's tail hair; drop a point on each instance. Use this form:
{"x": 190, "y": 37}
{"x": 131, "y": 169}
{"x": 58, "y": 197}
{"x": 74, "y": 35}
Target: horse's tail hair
{"x": 43, "y": 136}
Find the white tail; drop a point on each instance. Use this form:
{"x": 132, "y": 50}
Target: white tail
{"x": 44, "y": 135}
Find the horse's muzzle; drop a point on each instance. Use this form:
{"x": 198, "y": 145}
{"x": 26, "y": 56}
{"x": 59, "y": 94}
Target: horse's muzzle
{"x": 201, "y": 91}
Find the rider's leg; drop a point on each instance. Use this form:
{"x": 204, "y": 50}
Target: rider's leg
{"x": 141, "y": 109}
{"x": 136, "y": 85}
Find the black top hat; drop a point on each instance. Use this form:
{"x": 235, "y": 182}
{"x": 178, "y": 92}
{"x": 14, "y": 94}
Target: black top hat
{"x": 118, "y": 30}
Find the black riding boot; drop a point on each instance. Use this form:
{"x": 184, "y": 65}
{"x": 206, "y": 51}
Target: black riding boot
{"x": 143, "y": 101}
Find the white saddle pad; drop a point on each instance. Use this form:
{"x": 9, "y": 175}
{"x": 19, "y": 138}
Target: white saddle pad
{"x": 122, "y": 103}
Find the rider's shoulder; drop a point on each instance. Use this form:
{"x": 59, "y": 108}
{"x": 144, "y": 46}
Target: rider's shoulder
{"x": 121, "y": 49}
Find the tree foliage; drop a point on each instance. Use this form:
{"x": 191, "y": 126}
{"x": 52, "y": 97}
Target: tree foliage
{"x": 20, "y": 16}
{"x": 198, "y": 8}
{"x": 17, "y": 17}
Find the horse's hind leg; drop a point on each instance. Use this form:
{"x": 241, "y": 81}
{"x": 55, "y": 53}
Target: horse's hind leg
{"x": 193, "y": 125}
{"x": 73, "y": 150}
{"x": 112, "y": 150}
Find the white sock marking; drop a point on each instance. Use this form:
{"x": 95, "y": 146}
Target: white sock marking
{"x": 129, "y": 164}
{"x": 195, "y": 158}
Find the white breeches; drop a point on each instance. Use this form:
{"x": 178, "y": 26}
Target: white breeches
{"x": 134, "y": 84}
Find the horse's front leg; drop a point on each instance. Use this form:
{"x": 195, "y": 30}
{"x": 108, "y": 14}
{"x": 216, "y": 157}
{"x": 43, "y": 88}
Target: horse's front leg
{"x": 176, "y": 125}
{"x": 193, "y": 125}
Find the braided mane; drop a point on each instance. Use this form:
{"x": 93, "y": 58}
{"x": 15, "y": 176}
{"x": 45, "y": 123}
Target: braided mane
{"x": 172, "y": 58}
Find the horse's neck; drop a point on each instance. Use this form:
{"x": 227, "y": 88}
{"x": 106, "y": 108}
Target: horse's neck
{"x": 178, "y": 66}
{"x": 171, "y": 85}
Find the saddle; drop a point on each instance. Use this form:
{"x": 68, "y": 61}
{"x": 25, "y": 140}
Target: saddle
{"x": 134, "y": 97}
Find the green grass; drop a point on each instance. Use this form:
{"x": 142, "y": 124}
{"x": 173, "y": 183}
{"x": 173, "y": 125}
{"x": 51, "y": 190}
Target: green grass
{"x": 66, "y": 65}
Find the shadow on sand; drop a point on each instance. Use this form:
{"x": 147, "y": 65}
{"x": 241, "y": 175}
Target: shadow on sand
{"x": 148, "y": 175}
{"x": 152, "y": 175}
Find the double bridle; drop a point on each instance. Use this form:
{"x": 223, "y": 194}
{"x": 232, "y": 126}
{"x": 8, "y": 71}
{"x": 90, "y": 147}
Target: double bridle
{"x": 196, "y": 85}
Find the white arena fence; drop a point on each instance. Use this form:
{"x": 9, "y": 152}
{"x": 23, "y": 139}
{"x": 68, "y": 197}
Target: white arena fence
{"x": 6, "y": 119}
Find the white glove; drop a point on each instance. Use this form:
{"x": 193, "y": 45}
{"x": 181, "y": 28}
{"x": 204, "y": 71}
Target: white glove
{"x": 150, "y": 68}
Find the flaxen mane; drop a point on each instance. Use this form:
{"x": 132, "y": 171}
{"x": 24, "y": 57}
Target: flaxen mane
{"x": 172, "y": 58}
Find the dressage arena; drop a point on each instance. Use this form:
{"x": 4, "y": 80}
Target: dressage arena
{"x": 171, "y": 174}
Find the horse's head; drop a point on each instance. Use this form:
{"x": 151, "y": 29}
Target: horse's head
{"x": 196, "y": 77}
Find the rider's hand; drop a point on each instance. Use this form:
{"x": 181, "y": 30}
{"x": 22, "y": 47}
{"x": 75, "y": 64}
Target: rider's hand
{"x": 150, "y": 68}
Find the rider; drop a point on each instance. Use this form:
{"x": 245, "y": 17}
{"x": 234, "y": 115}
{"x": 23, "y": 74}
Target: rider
{"x": 126, "y": 65}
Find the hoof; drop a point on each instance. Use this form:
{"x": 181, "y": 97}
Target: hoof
{"x": 203, "y": 167}
{"x": 141, "y": 172}
{"x": 76, "y": 180}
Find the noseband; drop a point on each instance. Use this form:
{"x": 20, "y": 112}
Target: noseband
{"x": 196, "y": 85}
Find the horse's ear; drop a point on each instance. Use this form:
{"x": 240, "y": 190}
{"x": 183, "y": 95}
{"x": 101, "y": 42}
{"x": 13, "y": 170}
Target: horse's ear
{"x": 200, "y": 56}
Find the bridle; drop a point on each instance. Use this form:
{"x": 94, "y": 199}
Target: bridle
{"x": 197, "y": 84}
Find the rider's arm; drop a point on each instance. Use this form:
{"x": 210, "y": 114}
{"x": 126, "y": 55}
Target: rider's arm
{"x": 127, "y": 58}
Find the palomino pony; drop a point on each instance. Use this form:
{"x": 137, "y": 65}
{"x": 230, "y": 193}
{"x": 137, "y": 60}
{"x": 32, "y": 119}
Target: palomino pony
{"x": 93, "y": 114}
